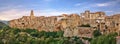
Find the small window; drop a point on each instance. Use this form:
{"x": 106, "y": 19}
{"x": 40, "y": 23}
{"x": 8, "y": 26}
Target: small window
{"x": 23, "y": 23}
{"x": 117, "y": 24}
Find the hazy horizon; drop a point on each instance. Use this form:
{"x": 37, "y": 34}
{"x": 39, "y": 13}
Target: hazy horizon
{"x": 12, "y": 9}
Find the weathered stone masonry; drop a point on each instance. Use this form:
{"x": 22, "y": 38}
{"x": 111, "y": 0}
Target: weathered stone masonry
{"x": 70, "y": 24}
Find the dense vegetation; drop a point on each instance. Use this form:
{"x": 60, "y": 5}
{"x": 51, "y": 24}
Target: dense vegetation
{"x": 31, "y": 36}
{"x": 103, "y": 39}
{"x": 97, "y": 33}
{"x": 2, "y": 25}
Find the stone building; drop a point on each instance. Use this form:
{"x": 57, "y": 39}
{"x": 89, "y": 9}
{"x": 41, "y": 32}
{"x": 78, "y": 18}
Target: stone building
{"x": 113, "y": 23}
{"x": 70, "y": 24}
{"x": 96, "y": 19}
{"x": 92, "y": 18}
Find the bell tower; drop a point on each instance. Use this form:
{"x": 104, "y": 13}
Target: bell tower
{"x": 32, "y": 13}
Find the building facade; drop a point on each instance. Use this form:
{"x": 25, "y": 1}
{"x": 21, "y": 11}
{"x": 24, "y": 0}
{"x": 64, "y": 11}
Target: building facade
{"x": 70, "y": 24}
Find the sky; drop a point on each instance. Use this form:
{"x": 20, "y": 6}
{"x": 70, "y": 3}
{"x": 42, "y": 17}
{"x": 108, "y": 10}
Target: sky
{"x": 14, "y": 9}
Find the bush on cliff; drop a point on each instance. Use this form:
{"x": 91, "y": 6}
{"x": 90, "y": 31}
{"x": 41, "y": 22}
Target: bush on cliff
{"x": 31, "y": 36}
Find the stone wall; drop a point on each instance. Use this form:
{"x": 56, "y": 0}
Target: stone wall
{"x": 70, "y": 23}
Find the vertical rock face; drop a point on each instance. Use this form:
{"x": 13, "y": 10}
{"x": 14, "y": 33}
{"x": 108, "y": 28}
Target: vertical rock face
{"x": 118, "y": 40}
{"x": 70, "y": 24}
{"x": 112, "y": 23}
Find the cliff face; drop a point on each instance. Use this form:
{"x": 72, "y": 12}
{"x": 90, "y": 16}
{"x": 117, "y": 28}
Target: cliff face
{"x": 70, "y": 24}
{"x": 53, "y": 23}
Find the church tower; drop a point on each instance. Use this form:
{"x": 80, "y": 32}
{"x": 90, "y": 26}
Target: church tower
{"x": 32, "y": 13}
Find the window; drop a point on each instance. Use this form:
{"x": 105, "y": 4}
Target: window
{"x": 23, "y": 23}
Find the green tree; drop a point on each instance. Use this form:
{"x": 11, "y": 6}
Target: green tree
{"x": 96, "y": 33}
{"x": 105, "y": 39}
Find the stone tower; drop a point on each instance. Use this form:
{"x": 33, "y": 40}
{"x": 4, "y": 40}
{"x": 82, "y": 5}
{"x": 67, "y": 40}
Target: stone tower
{"x": 87, "y": 12}
{"x": 32, "y": 13}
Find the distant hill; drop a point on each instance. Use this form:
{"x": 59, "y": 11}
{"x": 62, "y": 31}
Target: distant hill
{"x": 2, "y": 24}
{"x": 5, "y": 22}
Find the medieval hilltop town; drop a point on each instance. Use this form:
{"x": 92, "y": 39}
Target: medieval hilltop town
{"x": 81, "y": 25}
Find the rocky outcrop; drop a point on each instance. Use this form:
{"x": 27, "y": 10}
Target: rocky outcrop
{"x": 70, "y": 24}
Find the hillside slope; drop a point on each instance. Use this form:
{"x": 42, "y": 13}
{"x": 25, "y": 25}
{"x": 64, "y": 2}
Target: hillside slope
{"x": 2, "y": 24}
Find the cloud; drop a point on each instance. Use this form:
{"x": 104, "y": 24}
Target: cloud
{"x": 9, "y": 6}
{"x": 16, "y": 13}
{"x": 103, "y": 4}
{"x": 12, "y": 14}
{"x": 52, "y": 13}
{"x": 80, "y": 4}
{"x": 109, "y": 3}
{"x": 109, "y": 11}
